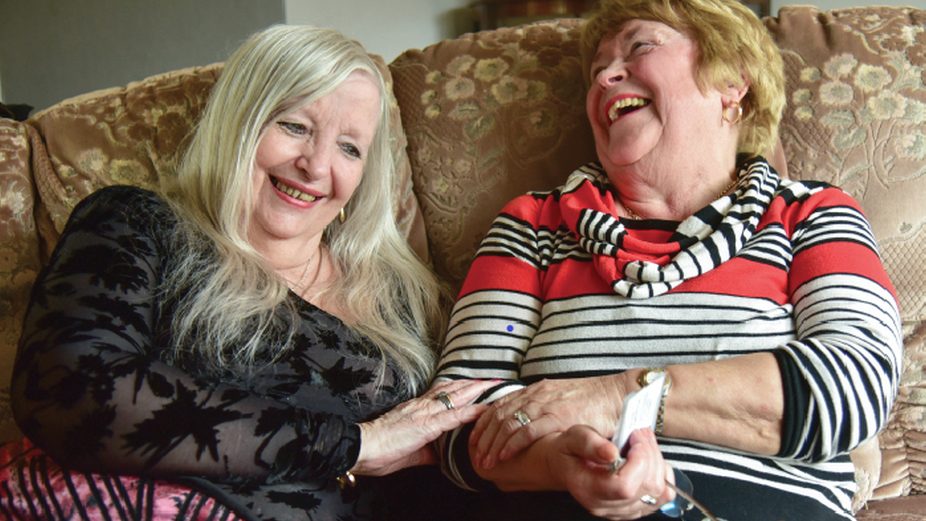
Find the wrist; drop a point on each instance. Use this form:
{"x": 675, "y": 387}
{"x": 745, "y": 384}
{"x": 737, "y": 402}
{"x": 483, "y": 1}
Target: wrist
{"x": 361, "y": 454}
{"x": 652, "y": 375}
{"x": 553, "y": 455}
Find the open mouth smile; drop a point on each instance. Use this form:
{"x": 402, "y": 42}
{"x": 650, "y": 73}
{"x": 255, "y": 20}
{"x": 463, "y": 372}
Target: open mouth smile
{"x": 625, "y": 106}
{"x": 292, "y": 192}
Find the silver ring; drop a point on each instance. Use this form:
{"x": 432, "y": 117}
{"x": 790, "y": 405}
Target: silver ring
{"x": 522, "y": 417}
{"x": 648, "y": 499}
{"x": 444, "y": 398}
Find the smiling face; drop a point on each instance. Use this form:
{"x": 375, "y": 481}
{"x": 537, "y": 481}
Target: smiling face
{"x": 310, "y": 161}
{"x": 644, "y": 102}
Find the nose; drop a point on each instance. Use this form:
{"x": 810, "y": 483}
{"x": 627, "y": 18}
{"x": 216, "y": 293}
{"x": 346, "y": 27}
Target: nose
{"x": 314, "y": 161}
{"x": 613, "y": 74}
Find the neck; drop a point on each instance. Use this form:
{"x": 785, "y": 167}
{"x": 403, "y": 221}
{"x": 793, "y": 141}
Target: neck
{"x": 675, "y": 204}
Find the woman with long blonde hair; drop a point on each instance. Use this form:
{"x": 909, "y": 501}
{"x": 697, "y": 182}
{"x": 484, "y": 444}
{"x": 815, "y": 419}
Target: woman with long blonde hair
{"x": 258, "y": 330}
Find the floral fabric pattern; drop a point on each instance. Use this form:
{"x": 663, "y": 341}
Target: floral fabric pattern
{"x": 856, "y": 118}
{"x": 19, "y": 250}
{"x": 482, "y": 110}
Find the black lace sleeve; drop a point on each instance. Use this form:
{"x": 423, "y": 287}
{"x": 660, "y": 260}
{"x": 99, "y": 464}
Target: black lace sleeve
{"x": 91, "y": 390}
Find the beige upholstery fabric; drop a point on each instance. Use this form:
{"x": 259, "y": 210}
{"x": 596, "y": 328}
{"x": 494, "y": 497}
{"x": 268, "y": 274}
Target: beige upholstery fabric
{"x": 488, "y": 117}
{"x": 856, "y": 117}
{"x": 129, "y": 135}
{"x": 19, "y": 253}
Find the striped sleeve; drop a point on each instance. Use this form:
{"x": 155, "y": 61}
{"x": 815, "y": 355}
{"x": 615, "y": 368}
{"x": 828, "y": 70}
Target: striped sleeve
{"x": 494, "y": 320}
{"x": 849, "y": 343}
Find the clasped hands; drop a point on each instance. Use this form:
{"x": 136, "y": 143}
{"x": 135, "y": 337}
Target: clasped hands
{"x": 571, "y": 422}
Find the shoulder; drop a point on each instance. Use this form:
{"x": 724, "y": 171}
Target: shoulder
{"x": 814, "y": 194}
{"x": 536, "y": 203}
{"x": 120, "y": 203}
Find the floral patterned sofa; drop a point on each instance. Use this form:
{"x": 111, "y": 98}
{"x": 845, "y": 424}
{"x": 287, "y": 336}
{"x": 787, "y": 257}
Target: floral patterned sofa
{"x": 491, "y": 115}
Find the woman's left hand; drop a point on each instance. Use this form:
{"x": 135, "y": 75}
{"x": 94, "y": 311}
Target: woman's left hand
{"x": 401, "y": 437}
{"x": 552, "y": 406}
{"x": 580, "y": 459}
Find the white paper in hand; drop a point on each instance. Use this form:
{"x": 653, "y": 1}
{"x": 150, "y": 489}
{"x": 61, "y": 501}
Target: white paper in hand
{"x": 641, "y": 409}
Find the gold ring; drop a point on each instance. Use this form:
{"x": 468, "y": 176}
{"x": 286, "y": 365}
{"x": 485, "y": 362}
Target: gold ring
{"x": 522, "y": 417}
{"x": 444, "y": 398}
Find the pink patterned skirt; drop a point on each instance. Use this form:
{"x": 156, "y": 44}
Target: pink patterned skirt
{"x": 34, "y": 487}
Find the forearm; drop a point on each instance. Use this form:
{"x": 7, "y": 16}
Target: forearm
{"x": 736, "y": 402}
{"x": 184, "y": 429}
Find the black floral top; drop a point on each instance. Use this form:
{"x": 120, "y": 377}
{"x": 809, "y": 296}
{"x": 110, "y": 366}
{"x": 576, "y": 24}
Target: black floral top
{"x": 92, "y": 386}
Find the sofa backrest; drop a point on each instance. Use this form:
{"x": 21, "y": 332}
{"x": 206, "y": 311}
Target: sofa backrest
{"x": 490, "y": 116}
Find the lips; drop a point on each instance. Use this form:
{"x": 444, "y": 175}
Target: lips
{"x": 621, "y": 106}
{"x": 292, "y": 192}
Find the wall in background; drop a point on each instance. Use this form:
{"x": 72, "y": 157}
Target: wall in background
{"x": 55, "y": 49}
{"x": 387, "y": 28}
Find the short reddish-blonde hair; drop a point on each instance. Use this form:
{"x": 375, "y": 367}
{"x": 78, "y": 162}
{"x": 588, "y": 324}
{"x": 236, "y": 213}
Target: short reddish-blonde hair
{"x": 734, "y": 46}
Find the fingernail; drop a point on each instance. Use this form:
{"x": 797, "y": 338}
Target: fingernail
{"x": 488, "y": 463}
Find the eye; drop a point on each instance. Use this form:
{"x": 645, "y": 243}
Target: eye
{"x": 638, "y": 45}
{"x": 290, "y": 127}
{"x": 352, "y": 150}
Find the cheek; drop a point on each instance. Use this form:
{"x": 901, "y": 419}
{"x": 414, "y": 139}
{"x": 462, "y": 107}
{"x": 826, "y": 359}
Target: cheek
{"x": 347, "y": 183}
{"x": 591, "y": 105}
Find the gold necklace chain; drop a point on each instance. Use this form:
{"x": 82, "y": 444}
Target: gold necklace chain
{"x": 305, "y": 272}
{"x": 636, "y": 217}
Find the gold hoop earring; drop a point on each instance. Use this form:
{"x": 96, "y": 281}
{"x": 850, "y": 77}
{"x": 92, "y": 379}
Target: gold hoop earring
{"x": 341, "y": 215}
{"x": 739, "y": 112}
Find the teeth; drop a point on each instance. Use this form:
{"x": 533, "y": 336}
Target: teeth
{"x": 613, "y": 112}
{"x": 292, "y": 192}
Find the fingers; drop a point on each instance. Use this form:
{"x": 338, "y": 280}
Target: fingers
{"x": 506, "y": 430}
{"x": 399, "y": 437}
{"x": 635, "y": 492}
{"x": 457, "y": 393}
{"x": 646, "y": 468}
{"x": 585, "y": 442}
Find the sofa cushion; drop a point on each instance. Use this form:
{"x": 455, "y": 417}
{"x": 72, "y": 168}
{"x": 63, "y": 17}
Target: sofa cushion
{"x": 490, "y": 116}
{"x": 133, "y": 135}
{"x": 19, "y": 252}
{"x": 856, "y": 118}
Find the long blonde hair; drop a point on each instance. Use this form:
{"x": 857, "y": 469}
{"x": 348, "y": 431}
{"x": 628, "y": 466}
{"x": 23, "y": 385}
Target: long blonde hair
{"x": 733, "y": 44}
{"x": 228, "y": 297}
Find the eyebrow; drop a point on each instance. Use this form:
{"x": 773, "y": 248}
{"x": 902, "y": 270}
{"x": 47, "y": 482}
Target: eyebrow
{"x": 629, "y": 35}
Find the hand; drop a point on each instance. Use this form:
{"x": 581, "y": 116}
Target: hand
{"x": 552, "y": 406}
{"x": 580, "y": 458}
{"x": 401, "y": 437}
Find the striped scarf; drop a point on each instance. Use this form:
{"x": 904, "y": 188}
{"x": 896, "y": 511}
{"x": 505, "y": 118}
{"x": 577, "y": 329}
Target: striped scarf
{"x": 701, "y": 242}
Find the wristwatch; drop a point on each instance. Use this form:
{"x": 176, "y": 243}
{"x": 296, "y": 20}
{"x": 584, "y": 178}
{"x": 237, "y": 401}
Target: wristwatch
{"x": 649, "y": 376}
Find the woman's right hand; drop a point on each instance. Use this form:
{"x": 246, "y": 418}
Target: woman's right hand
{"x": 580, "y": 459}
{"x": 401, "y": 437}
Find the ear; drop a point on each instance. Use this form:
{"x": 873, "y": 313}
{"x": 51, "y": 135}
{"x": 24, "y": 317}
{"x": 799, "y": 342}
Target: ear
{"x": 735, "y": 92}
